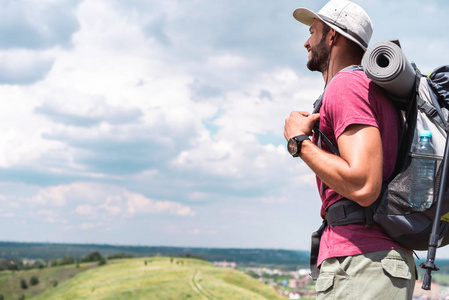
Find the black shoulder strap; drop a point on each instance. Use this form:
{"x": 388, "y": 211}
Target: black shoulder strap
{"x": 316, "y": 128}
{"x": 321, "y": 136}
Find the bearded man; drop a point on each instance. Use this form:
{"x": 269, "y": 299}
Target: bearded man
{"x": 355, "y": 261}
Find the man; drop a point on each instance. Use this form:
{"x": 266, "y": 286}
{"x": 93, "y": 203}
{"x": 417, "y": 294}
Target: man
{"x": 356, "y": 261}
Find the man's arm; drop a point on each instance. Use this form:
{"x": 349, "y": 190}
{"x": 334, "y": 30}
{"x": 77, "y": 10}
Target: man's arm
{"x": 357, "y": 173}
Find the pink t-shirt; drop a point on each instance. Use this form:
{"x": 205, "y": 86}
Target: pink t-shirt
{"x": 351, "y": 98}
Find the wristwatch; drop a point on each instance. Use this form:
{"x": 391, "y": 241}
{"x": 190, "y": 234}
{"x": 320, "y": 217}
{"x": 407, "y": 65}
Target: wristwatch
{"x": 294, "y": 144}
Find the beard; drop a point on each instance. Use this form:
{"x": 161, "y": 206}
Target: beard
{"x": 320, "y": 55}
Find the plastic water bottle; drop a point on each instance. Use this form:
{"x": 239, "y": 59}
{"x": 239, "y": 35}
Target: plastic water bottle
{"x": 423, "y": 169}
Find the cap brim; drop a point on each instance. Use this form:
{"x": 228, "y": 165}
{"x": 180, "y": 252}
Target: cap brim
{"x": 305, "y": 16}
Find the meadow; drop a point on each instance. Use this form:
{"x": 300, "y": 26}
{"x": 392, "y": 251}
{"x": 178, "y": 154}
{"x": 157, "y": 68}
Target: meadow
{"x": 136, "y": 278}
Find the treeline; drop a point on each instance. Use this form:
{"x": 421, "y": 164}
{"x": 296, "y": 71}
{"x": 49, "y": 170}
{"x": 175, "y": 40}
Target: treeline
{"x": 26, "y": 264}
{"x": 49, "y": 251}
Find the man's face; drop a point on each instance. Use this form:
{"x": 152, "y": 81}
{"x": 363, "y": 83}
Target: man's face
{"x": 317, "y": 47}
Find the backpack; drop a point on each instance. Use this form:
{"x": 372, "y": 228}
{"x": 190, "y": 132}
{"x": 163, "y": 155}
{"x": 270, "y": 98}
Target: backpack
{"x": 425, "y": 108}
{"x": 424, "y": 102}
{"x": 404, "y": 224}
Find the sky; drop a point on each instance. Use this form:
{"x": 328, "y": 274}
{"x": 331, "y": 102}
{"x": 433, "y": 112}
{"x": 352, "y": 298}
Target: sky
{"x": 160, "y": 123}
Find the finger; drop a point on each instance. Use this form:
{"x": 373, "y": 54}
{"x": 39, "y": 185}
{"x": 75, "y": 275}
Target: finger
{"x": 316, "y": 117}
{"x": 301, "y": 113}
{"x": 285, "y": 133}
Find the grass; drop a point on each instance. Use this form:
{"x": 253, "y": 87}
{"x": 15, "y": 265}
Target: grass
{"x": 10, "y": 286}
{"x": 141, "y": 278}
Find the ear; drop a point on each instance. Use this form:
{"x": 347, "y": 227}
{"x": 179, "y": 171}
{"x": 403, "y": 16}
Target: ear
{"x": 333, "y": 36}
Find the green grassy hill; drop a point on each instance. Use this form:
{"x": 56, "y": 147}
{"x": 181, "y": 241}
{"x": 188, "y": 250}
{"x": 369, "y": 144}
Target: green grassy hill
{"x": 138, "y": 278}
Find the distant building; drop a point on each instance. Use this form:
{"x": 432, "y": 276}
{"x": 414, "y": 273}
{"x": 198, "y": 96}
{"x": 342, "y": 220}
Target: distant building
{"x": 298, "y": 283}
{"x": 432, "y": 294}
{"x": 294, "y": 295}
{"x": 32, "y": 262}
{"x": 225, "y": 264}
{"x": 307, "y": 293}
{"x": 28, "y": 262}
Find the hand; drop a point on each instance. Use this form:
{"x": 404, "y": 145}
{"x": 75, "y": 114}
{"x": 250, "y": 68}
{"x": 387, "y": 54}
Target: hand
{"x": 299, "y": 122}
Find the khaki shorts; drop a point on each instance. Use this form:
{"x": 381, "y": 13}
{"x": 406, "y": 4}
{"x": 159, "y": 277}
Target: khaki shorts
{"x": 388, "y": 274}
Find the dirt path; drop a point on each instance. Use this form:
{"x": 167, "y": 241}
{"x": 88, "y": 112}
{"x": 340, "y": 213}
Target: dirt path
{"x": 198, "y": 288}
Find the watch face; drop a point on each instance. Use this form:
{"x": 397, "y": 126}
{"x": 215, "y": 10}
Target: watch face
{"x": 292, "y": 147}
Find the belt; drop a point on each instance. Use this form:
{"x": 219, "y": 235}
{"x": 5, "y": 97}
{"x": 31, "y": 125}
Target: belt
{"x": 342, "y": 212}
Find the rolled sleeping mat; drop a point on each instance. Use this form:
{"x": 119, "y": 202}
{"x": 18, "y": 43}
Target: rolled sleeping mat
{"x": 386, "y": 65}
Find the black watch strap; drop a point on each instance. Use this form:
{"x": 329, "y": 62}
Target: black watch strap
{"x": 298, "y": 140}
{"x": 301, "y": 138}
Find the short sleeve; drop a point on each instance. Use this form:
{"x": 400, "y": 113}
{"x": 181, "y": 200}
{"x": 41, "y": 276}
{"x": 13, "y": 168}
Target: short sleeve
{"x": 347, "y": 104}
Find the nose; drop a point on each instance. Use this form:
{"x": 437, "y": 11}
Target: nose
{"x": 307, "y": 44}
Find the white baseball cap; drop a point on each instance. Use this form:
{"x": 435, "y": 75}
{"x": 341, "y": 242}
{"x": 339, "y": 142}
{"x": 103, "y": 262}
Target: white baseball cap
{"x": 346, "y": 17}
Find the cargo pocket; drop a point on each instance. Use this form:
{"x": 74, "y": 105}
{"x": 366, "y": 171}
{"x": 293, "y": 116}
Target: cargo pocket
{"x": 324, "y": 283}
{"x": 396, "y": 268}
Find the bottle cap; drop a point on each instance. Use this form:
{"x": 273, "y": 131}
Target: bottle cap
{"x": 425, "y": 133}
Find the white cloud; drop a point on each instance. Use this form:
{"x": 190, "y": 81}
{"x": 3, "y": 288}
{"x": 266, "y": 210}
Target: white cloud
{"x": 43, "y": 24}
{"x": 96, "y": 200}
{"x": 194, "y": 231}
{"x": 7, "y": 214}
{"x": 237, "y": 151}
{"x": 228, "y": 61}
{"x": 88, "y": 226}
{"x": 199, "y": 196}
{"x": 24, "y": 66}
{"x": 50, "y": 220}
{"x": 47, "y": 212}
{"x": 138, "y": 204}
{"x": 3, "y": 198}
{"x": 84, "y": 209}
{"x": 78, "y": 191}
{"x": 9, "y": 207}
{"x": 51, "y": 196}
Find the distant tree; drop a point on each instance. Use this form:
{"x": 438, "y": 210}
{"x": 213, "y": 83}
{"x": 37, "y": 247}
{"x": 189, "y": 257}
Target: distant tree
{"x": 189, "y": 255}
{"x": 66, "y": 260}
{"x": 9, "y": 264}
{"x": 23, "y": 284}
{"x": 120, "y": 255}
{"x": 77, "y": 264}
{"x": 2, "y": 297}
{"x": 93, "y": 256}
{"x": 145, "y": 263}
{"x": 34, "y": 280}
{"x": 54, "y": 283}
{"x": 253, "y": 274}
{"x": 21, "y": 297}
{"x": 102, "y": 262}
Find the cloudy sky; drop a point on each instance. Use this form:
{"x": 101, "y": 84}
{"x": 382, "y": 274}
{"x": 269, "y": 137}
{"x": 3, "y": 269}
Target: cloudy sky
{"x": 146, "y": 122}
